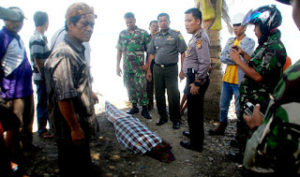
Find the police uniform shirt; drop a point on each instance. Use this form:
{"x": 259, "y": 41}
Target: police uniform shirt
{"x": 197, "y": 54}
{"x": 166, "y": 46}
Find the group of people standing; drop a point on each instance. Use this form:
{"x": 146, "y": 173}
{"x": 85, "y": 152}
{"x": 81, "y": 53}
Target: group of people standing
{"x": 64, "y": 91}
{"x": 161, "y": 68}
{"x": 65, "y": 96}
{"x": 251, "y": 75}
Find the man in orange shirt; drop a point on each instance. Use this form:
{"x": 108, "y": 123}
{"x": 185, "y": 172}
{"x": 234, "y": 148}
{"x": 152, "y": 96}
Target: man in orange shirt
{"x": 233, "y": 74}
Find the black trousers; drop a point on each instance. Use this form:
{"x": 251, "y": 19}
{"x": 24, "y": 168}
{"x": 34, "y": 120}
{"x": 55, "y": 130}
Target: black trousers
{"x": 195, "y": 115}
{"x": 74, "y": 160}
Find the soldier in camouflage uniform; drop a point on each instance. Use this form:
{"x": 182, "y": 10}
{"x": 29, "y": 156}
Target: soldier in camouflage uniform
{"x": 132, "y": 45}
{"x": 278, "y": 149}
{"x": 264, "y": 67}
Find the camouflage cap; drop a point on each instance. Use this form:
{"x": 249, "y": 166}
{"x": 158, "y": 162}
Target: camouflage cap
{"x": 77, "y": 9}
{"x": 11, "y": 14}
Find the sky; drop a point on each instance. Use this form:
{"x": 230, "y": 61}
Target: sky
{"x": 110, "y": 22}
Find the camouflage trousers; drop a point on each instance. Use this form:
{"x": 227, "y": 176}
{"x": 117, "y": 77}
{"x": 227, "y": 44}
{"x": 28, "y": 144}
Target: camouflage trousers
{"x": 136, "y": 85}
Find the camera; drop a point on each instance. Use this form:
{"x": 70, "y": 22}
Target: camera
{"x": 249, "y": 108}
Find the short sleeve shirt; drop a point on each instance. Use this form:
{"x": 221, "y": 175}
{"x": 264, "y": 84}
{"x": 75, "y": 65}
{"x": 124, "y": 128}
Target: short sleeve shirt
{"x": 197, "y": 54}
{"x": 166, "y": 46}
{"x": 15, "y": 69}
{"x": 39, "y": 49}
{"x": 68, "y": 77}
{"x": 133, "y": 46}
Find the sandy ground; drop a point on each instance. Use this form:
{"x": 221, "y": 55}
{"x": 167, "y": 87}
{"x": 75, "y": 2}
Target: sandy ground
{"x": 114, "y": 160}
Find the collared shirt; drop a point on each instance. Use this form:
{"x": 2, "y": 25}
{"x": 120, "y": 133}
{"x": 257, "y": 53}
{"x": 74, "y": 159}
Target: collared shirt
{"x": 67, "y": 76}
{"x": 59, "y": 37}
{"x": 15, "y": 69}
{"x": 133, "y": 45}
{"x": 166, "y": 46}
{"x": 197, "y": 55}
{"x": 268, "y": 60}
{"x": 39, "y": 49}
{"x": 247, "y": 45}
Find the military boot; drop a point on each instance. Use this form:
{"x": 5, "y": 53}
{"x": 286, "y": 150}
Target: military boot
{"x": 134, "y": 109}
{"x": 145, "y": 113}
{"x": 219, "y": 130}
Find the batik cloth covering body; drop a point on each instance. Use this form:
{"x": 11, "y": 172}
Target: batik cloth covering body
{"x": 130, "y": 131}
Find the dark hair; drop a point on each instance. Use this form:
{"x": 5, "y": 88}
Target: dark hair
{"x": 195, "y": 12}
{"x": 129, "y": 15}
{"x": 40, "y": 18}
{"x": 163, "y": 15}
{"x": 73, "y": 19}
{"x": 153, "y": 21}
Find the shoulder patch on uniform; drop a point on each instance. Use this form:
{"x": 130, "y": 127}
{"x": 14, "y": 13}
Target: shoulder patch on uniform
{"x": 199, "y": 43}
{"x": 177, "y": 31}
{"x": 180, "y": 36}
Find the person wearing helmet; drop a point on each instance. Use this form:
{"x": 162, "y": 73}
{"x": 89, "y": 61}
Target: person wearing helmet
{"x": 233, "y": 74}
{"x": 278, "y": 132}
{"x": 263, "y": 69}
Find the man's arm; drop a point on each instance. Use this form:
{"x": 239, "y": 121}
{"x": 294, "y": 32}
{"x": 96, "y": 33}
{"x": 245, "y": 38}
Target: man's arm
{"x": 247, "y": 49}
{"x": 39, "y": 63}
{"x": 181, "y": 74}
{"x": 225, "y": 53}
{"x": 149, "y": 74}
{"x": 67, "y": 109}
{"x": 119, "y": 57}
{"x": 235, "y": 55}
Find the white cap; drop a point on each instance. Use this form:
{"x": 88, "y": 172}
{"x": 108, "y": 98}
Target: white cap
{"x": 238, "y": 18}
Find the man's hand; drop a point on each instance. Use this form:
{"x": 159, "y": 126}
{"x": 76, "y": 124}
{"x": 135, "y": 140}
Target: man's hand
{"x": 194, "y": 89}
{"x": 256, "y": 119}
{"x": 95, "y": 98}
{"x": 235, "y": 55}
{"x": 119, "y": 71}
{"x": 181, "y": 75}
{"x": 77, "y": 136}
{"x": 149, "y": 75}
{"x": 145, "y": 67}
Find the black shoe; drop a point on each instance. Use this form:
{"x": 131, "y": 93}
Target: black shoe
{"x": 186, "y": 133}
{"x": 161, "y": 121}
{"x": 219, "y": 130}
{"x": 31, "y": 148}
{"x": 188, "y": 145}
{"x": 145, "y": 113}
{"x": 235, "y": 156}
{"x": 133, "y": 110}
{"x": 176, "y": 125}
{"x": 235, "y": 143}
{"x": 150, "y": 106}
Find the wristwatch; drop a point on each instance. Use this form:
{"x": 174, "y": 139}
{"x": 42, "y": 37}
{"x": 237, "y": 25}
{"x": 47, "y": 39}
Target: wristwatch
{"x": 197, "y": 84}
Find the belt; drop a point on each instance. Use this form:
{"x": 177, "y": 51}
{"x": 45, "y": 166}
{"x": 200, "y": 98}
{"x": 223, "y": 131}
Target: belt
{"x": 165, "y": 65}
